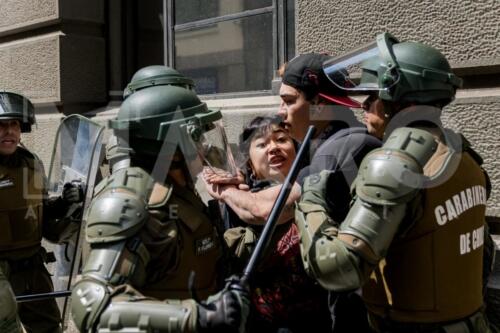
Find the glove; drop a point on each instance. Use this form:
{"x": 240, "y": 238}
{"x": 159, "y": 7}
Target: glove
{"x": 72, "y": 193}
{"x": 314, "y": 189}
{"x": 312, "y": 211}
{"x": 226, "y": 311}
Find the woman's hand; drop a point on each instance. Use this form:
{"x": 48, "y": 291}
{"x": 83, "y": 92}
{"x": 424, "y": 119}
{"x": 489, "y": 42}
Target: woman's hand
{"x": 217, "y": 183}
{"x": 218, "y": 176}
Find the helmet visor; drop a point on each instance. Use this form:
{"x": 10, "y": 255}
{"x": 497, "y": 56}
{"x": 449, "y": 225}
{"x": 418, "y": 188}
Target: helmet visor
{"x": 362, "y": 70}
{"x": 211, "y": 149}
{"x": 14, "y": 106}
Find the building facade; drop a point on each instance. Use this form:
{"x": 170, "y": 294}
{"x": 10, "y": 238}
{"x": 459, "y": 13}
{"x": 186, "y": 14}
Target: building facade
{"x": 76, "y": 56}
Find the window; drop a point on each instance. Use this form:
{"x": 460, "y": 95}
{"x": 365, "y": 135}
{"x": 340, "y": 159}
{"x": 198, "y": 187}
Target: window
{"x": 135, "y": 39}
{"x": 149, "y": 31}
{"x": 229, "y": 46}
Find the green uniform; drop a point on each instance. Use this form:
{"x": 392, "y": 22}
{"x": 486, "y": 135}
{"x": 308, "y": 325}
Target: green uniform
{"x": 153, "y": 253}
{"x": 439, "y": 247}
{"x": 415, "y": 235}
{"x": 413, "y": 238}
{"x": 190, "y": 237}
{"x": 146, "y": 235}
{"x": 22, "y": 226}
{"x": 9, "y": 320}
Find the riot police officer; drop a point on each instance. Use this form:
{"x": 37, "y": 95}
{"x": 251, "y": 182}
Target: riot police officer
{"x": 26, "y": 215}
{"x": 147, "y": 227}
{"x": 413, "y": 237}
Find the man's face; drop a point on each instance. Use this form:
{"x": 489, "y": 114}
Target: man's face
{"x": 10, "y": 136}
{"x": 294, "y": 109}
{"x": 374, "y": 116}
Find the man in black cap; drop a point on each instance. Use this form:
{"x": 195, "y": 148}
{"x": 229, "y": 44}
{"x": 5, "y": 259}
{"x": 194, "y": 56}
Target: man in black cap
{"x": 309, "y": 98}
{"x": 339, "y": 145}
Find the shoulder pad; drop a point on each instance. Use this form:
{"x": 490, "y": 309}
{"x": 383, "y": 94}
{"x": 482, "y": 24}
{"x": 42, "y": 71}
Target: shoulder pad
{"x": 393, "y": 174}
{"x": 115, "y": 215}
{"x": 415, "y": 142}
{"x": 119, "y": 208}
{"x": 132, "y": 179}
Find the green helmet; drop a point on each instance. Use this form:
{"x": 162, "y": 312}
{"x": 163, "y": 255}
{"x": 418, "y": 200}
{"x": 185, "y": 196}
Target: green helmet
{"x": 15, "y": 106}
{"x": 155, "y": 76}
{"x": 150, "y": 116}
{"x": 159, "y": 120}
{"x": 399, "y": 72}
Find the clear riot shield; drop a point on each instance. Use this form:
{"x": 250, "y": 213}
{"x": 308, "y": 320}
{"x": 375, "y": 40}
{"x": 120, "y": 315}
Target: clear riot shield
{"x": 76, "y": 159}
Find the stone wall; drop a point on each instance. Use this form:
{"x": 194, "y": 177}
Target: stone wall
{"x": 466, "y": 31}
{"x": 53, "y": 51}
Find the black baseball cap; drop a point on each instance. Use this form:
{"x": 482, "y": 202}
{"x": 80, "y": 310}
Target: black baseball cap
{"x": 305, "y": 73}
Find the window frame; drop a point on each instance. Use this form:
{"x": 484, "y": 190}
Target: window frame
{"x": 278, "y": 9}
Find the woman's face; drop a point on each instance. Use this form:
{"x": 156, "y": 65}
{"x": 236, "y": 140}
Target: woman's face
{"x": 272, "y": 155}
{"x": 294, "y": 109}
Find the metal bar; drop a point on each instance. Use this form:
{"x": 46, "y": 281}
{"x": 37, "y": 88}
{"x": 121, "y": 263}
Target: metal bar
{"x": 168, "y": 12}
{"x": 276, "y": 36}
{"x": 282, "y": 32}
{"x": 39, "y": 297}
{"x": 213, "y": 20}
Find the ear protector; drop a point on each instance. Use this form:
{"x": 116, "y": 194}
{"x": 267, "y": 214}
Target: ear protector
{"x": 389, "y": 76}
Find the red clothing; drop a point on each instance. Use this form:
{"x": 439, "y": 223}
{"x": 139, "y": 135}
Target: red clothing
{"x": 283, "y": 295}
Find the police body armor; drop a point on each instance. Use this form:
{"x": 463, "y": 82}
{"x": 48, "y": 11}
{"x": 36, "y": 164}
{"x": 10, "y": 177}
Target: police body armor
{"x": 416, "y": 229}
{"x": 21, "y": 205}
{"x": 147, "y": 234}
{"x": 176, "y": 231}
{"x": 140, "y": 232}
{"x": 177, "y": 216}
{"x": 404, "y": 226}
{"x": 442, "y": 250}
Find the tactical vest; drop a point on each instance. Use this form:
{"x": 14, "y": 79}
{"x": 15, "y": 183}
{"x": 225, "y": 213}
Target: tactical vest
{"x": 180, "y": 216}
{"x": 432, "y": 272}
{"x": 21, "y": 206}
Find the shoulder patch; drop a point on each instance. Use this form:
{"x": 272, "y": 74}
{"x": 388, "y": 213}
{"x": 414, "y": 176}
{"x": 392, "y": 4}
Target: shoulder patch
{"x": 5, "y": 182}
{"x": 205, "y": 244}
